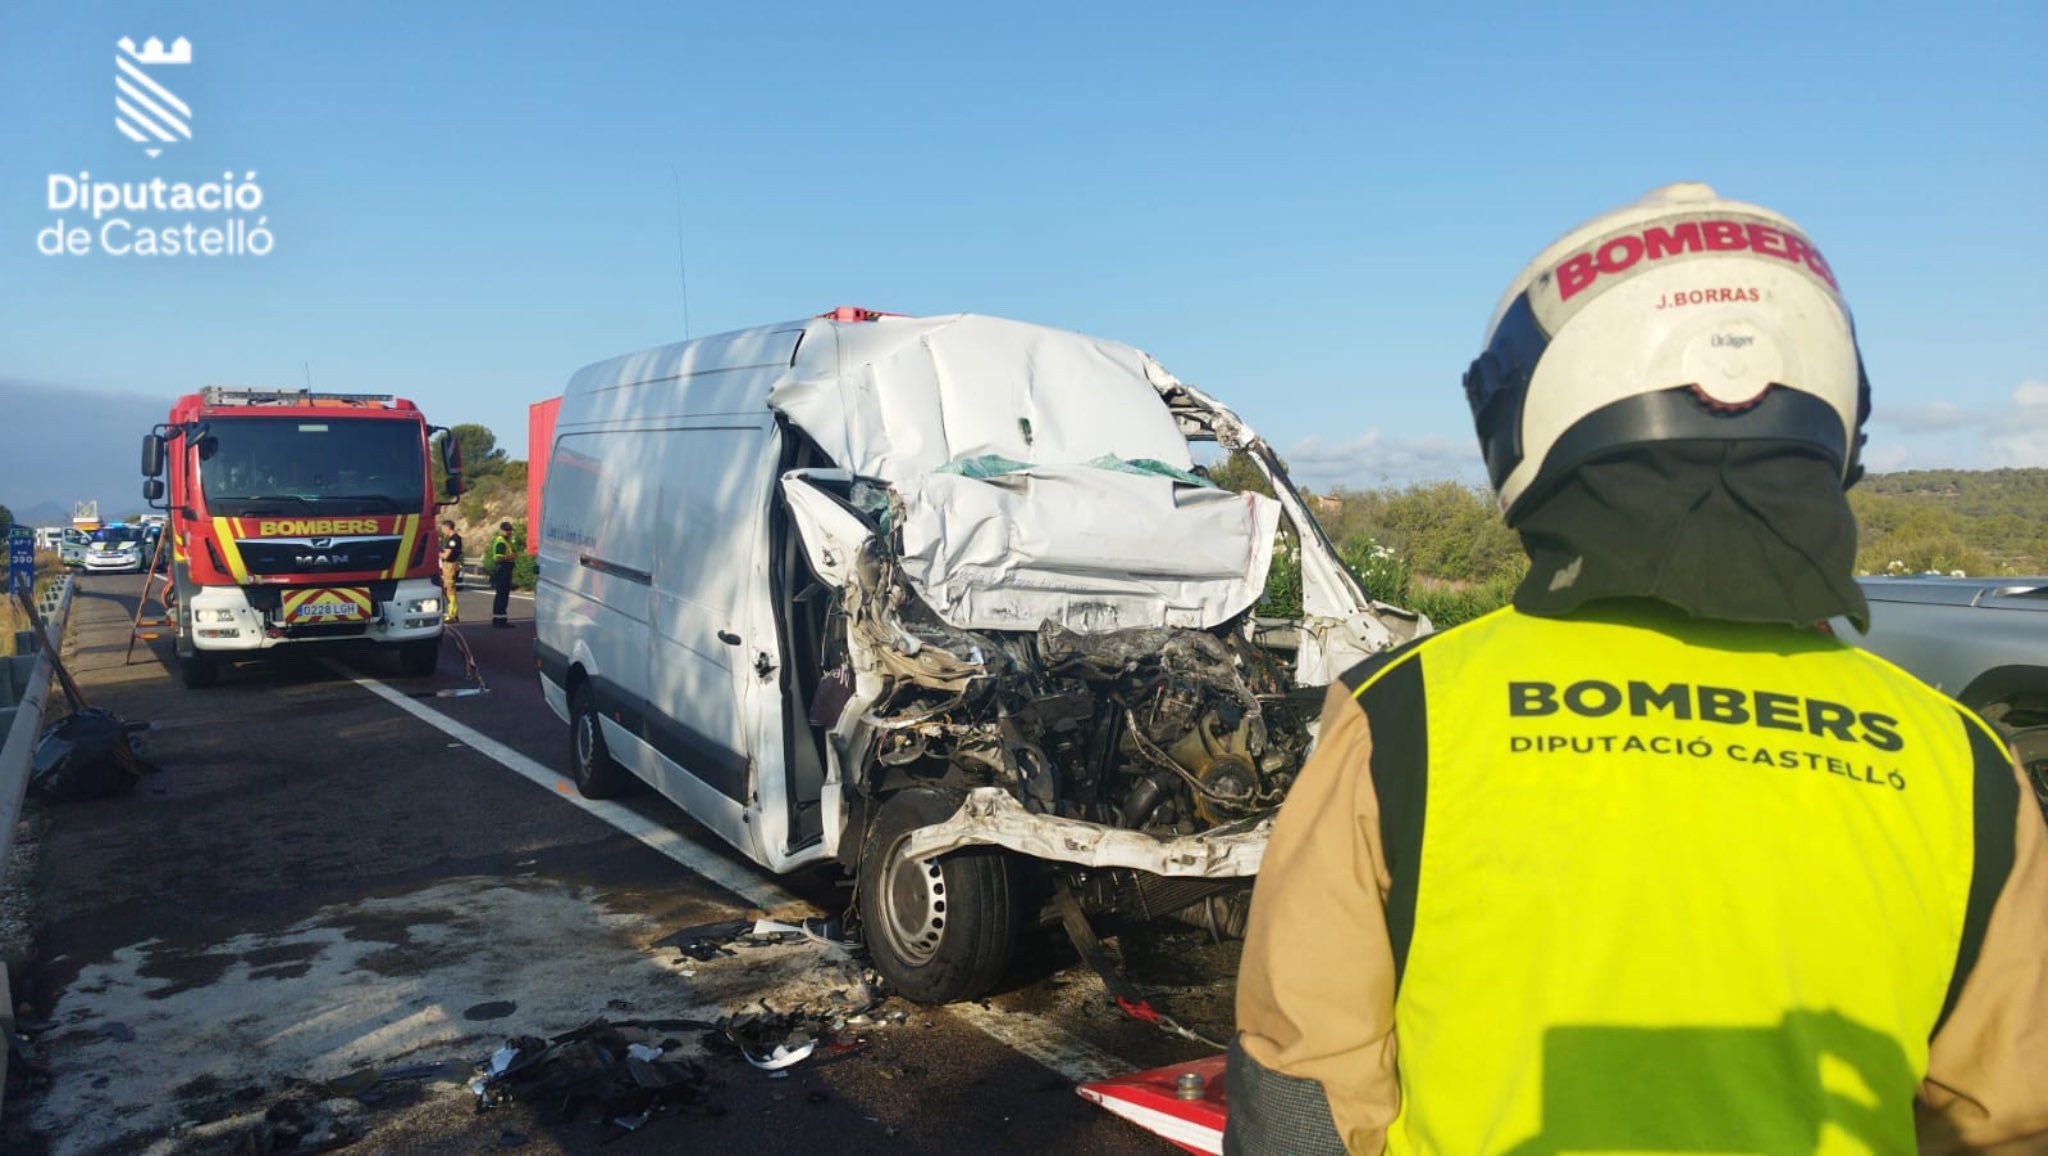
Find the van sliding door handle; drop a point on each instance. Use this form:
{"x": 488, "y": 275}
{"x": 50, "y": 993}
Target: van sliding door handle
{"x": 729, "y": 638}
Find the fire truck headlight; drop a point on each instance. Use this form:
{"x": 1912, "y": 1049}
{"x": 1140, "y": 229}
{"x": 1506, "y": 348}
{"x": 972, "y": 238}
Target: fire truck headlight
{"x": 425, "y": 606}
{"x": 216, "y": 616}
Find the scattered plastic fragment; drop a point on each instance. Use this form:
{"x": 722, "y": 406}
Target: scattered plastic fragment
{"x": 782, "y": 1057}
{"x": 706, "y": 941}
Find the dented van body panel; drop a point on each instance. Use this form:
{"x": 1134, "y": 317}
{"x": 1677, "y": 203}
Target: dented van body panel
{"x": 812, "y": 565}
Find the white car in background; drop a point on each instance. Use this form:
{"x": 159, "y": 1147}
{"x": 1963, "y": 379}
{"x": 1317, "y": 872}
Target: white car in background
{"x": 115, "y": 550}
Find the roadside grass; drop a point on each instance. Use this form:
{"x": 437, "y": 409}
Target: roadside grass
{"x": 11, "y": 620}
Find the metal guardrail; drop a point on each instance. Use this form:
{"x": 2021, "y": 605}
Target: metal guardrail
{"x": 17, "y": 755}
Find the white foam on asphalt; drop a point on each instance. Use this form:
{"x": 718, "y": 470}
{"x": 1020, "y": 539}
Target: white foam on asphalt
{"x": 376, "y": 981}
{"x": 1033, "y": 1036}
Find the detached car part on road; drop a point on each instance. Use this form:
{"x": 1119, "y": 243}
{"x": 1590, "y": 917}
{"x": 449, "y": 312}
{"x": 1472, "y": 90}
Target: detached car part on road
{"x": 1982, "y": 640}
{"x": 942, "y": 599}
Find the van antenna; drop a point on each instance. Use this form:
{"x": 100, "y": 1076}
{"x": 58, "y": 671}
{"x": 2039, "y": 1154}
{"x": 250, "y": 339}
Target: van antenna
{"x": 682, "y": 265}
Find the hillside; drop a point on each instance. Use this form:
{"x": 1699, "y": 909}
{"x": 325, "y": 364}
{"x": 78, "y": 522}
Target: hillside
{"x": 1440, "y": 547}
{"x": 1978, "y": 521}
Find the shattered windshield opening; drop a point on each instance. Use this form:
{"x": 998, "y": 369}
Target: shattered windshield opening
{"x": 335, "y": 465}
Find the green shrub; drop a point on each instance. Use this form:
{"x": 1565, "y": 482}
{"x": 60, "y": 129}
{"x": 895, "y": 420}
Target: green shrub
{"x": 1283, "y": 582}
{"x": 1447, "y": 604}
{"x": 1383, "y": 572}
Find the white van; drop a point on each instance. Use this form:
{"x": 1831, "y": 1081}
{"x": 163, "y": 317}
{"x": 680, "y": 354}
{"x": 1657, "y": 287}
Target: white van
{"x": 945, "y": 600}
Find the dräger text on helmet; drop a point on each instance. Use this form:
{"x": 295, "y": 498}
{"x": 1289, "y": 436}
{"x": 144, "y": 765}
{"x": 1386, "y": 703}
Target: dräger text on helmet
{"x": 111, "y": 218}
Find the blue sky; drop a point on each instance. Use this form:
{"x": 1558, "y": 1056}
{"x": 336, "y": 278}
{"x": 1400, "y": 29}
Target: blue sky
{"x": 1308, "y": 213}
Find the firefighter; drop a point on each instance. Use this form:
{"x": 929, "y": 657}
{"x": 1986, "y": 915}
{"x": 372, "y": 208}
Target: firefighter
{"x": 451, "y": 564}
{"x": 1647, "y": 861}
{"x": 501, "y": 576}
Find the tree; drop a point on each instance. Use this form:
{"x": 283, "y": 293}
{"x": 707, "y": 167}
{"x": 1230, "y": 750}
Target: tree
{"x": 481, "y": 457}
{"x": 6, "y": 518}
{"x": 1239, "y": 472}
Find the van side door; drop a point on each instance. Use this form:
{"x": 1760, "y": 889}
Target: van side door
{"x": 709, "y": 595}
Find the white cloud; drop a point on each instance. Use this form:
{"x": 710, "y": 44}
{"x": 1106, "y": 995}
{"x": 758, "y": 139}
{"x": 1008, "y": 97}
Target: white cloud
{"x": 1933, "y": 417}
{"x": 1373, "y": 459}
{"x": 1945, "y": 435}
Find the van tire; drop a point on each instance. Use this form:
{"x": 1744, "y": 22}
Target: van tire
{"x": 198, "y": 672}
{"x": 597, "y": 774}
{"x": 939, "y": 930}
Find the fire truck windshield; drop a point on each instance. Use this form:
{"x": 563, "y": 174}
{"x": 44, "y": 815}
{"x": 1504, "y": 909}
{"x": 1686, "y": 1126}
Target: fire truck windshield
{"x": 290, "y": 465}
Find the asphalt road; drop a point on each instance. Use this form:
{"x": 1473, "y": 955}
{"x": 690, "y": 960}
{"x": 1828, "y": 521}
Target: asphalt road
{"x": 320, "y": 880}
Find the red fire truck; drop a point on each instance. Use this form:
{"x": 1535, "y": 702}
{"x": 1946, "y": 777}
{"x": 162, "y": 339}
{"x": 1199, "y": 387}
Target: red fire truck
{"x": 299, "y": 518}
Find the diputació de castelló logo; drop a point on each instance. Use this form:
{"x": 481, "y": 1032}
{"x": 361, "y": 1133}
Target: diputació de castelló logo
{"x": 145, "y": 109}
{"x": 157, "y": 216}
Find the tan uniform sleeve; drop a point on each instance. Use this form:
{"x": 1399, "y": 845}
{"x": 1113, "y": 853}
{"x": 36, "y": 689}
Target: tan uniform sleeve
{"x": 1315, "y": 990}
{"x": 1987, "y": 1072}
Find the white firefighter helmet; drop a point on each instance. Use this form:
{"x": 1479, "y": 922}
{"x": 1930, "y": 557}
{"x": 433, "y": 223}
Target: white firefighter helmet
{"x": 1681, "y": 316}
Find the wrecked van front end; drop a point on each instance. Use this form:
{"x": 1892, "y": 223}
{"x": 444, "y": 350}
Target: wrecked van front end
{"x": 1041, "y": 643}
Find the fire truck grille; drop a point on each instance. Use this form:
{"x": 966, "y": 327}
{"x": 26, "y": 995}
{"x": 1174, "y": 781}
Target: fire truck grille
{"x": 302, "y": 556}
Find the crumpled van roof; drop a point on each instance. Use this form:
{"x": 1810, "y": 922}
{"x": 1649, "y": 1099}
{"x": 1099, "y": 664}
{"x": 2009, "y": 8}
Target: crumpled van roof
{"x": 898, "y": 397}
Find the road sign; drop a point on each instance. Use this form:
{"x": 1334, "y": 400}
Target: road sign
{"x": 21, "y": 560}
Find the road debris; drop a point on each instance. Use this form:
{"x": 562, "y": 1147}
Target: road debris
{"x": 705, "y": 942}
{"x": 87, "y": 755}
{"x": 623, "y": 1073}
{"x": 1184, "y": 1102}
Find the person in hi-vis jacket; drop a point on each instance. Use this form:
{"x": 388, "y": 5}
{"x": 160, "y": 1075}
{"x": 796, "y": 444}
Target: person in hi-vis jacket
{"x": 1648, "y": 861}
{"x": 501, "y": 576}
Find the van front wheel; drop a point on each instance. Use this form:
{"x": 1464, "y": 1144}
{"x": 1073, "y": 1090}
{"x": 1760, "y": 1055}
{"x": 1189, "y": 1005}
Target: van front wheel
{"x": 941, "y": 929}
{"x": 598, "y": 776}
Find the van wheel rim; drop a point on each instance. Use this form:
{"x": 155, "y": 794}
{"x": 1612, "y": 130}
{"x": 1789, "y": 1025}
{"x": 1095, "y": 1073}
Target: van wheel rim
{"x": 915, "y": 894}
{"x": 584, "y": 742}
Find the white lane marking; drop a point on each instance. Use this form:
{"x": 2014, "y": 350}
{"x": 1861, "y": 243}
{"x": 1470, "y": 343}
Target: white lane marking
{"x": 1070, "y": 1056}
{"x": 711, "y": 865}
{"x": 1034, "y": 1037}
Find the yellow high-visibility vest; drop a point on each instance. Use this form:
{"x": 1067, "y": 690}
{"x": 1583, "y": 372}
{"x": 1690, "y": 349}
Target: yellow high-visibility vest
{"x": 1663, "y": 885}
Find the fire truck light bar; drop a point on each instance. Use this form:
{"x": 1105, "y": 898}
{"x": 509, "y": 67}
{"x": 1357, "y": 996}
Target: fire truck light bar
{"x": 230, "y": 395}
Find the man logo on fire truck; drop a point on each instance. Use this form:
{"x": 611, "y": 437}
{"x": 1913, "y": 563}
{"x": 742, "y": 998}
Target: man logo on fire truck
{"x": 298, "y": 519}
